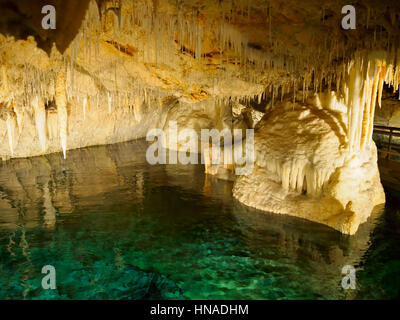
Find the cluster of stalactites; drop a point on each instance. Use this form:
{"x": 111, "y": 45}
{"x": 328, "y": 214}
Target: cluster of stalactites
{"x": 133, "y": 101}
{"x": 299, "y": 175}
{"x": 52, "y": 122}
{"x": 21, "y": 84}
{"x": 34, "y": 99}
{"x": 8, "y": 114}
{"x": 362, "y": 89}
{"x": 158, "y": 35}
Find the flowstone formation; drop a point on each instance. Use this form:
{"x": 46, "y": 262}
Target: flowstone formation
{"x": 303, "y": 168}
{"x": 125, "y": 67}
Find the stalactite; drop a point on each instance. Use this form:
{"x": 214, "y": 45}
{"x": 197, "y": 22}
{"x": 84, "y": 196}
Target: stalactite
{"x": 363, "y": 88}
{"x": 299, "y": 175}
{"x": 137, "y": 109}
{"x": 11, "y": 131}
{"x": 382, "y": 76}
{"x": 61, "y": 101}
{"x": 109, "y": 100}
{"x": 40, "y": 121}
{"x": 84, "y": 106}
{"x": 19, "y": 113}
{"x": 52, "y": 129}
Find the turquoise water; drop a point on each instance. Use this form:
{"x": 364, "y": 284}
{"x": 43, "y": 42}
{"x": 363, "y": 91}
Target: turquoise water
{"x": 115, "y": 227}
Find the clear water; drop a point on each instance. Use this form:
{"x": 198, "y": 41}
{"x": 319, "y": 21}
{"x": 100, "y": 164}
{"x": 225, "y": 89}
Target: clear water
{"x": 115, "y": 227}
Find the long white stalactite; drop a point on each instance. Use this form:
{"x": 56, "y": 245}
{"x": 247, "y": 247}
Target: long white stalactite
{"x": 40, "y": 121}
{"x": 84, "y": 106}
{"x": 61, "y": 101}
{"x": 362, "y": 90}
{"x": 10, "y": 119}
{"x": 11, "y": 132}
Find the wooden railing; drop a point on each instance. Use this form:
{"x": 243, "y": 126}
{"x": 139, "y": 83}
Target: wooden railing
{"x": 387, "y": 147}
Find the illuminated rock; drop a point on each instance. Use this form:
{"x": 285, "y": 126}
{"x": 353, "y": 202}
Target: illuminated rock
{"x": 303, "y": 168}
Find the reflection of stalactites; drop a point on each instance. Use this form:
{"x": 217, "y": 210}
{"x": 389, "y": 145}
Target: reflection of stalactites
{"x": 62, "y": 198}
{"x": 139, "y": 185}
{"x": 207, "y": 186}
{"x": 50, "y": 211}
{"x": 61, "y": 101}
{"x": 40, "y": 120}
{"x": 119, "y": 261}
{"x": 25, "y": 252}
{"x": 11, "y": 244}
{"x": 207, "y": 158}
{"x": 24, "y": 245}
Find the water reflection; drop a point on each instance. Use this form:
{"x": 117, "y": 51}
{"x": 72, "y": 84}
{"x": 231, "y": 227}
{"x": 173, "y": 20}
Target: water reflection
{"x": 105, "y": 214}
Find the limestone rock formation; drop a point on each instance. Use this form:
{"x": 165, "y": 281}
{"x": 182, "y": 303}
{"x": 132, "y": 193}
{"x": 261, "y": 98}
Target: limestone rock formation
{"x": 303, "y": 168}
